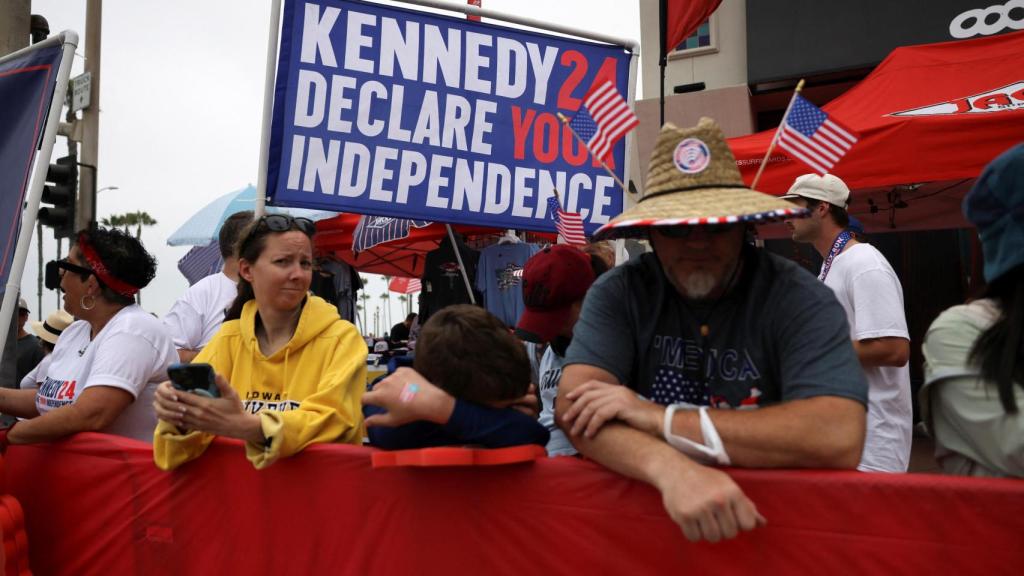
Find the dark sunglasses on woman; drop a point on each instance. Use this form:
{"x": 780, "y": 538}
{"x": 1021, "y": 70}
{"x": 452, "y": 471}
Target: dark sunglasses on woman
{"x": 53, "y": 274}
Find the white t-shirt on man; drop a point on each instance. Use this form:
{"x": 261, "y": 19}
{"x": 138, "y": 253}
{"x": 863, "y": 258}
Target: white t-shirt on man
{"x": 870, "y": 293}
{"x": 198, "y": 314}
{"x": 132, "y": 353}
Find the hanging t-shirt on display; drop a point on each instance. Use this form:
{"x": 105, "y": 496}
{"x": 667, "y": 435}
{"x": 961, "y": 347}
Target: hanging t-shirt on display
{"x": 499, "y": 278}
{"x": 442, "y": 282}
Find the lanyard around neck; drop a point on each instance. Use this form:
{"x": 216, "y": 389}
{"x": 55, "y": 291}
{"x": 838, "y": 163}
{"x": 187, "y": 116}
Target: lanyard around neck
{"x": 837, "y": 248}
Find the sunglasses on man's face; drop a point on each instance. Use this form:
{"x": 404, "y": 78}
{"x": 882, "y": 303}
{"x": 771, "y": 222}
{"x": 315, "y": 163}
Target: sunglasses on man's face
{"x": 685, "y": 231}
{"x": 53, "y": 272}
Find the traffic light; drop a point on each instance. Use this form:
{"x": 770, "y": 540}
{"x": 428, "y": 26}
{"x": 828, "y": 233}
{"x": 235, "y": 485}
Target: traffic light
{"x": 63, "y": 195}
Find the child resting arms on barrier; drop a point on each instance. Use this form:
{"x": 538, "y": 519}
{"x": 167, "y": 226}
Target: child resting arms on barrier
{"x": 470, "y": 384}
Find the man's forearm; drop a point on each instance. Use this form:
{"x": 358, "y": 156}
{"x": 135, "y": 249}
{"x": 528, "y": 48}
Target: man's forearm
{"x": 632, "y": 453}
{"x": 820, "y": 432}
{"x": 890, "y": 351}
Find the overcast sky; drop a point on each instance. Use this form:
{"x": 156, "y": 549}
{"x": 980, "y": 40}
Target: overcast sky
{"x": 181, "y": 103}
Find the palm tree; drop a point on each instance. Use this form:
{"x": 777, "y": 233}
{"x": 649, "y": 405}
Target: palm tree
{"x": 364, "y": 297}
{"x": 127, "y": 220}
{"x": 404, "y": 299}
{"x": 138, "y": 219}
{"x": 113, "y": 221}
{"x": 387, "y": 307}
{"x": 386, "y": 297}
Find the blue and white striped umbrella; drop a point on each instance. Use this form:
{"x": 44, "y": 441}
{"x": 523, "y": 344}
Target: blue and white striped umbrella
{"x": 200, "y": 262}
{"x": 202, "y": 228}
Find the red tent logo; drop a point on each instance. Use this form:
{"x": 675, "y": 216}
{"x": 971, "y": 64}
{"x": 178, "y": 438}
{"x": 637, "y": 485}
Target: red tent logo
{"x": 1010, "y": 97}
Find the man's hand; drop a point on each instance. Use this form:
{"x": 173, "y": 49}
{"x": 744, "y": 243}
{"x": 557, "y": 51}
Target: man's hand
{"x": 408, "y": 396}
{"x": 596, "y": 403}
{"x": 706, "y": 503}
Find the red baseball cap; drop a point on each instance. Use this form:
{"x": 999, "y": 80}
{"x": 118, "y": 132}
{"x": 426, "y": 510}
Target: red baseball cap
{"x": 553, "y": 279}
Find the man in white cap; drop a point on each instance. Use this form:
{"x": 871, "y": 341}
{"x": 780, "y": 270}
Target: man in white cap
{"x": 871, "y": 294}
{"x": 741, "y": 357}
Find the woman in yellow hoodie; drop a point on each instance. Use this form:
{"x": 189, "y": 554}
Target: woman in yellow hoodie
{"x": 290, "y": 371}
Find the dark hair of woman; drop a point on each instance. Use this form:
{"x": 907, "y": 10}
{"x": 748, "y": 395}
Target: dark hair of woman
{"x": 999, "y": 351}
{"x": 124, "y": 257}
{"x": 252, "y": 241}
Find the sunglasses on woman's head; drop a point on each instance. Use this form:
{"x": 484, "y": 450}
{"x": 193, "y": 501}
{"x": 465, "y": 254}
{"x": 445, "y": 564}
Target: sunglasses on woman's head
{"x": 53, "y": 272}
{"x": 685, "y": 231}
{"x": 284, "y": 223}
{"x": 280, "y": 223}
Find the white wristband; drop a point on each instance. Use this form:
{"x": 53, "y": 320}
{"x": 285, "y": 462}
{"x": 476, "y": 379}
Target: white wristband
{"x": 711, "y": 452}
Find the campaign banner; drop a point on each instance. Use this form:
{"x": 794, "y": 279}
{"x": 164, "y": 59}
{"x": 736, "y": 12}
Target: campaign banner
{"x": 393, "y": 112}
{"x": 26, "y": 88}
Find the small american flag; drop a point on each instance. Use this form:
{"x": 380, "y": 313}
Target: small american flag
{"x": 374, "y": 230}
{"x": 604, "y": 119}
{"x": 405, "y": 285}
{"x": 568, "y": 224}
{"x": 809, "y": 135}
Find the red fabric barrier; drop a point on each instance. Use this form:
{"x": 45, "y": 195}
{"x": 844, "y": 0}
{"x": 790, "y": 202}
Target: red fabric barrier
{"x": 96, "y": 505}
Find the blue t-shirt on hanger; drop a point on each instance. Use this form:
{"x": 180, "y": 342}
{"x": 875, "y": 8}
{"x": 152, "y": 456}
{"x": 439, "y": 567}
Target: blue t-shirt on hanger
{"x": 499, "y": 278}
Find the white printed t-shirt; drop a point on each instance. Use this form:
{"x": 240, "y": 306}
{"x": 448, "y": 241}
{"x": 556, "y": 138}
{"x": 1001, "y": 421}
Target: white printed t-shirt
{"x": 198, "y": 314}
{"x": 870, "y": 293}
{"x": 550, "y": 373}
{"x": 132, "y": 353}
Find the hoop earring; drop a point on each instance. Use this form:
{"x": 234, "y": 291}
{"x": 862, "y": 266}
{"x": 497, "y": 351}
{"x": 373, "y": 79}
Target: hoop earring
{"x": 92, "y": 302}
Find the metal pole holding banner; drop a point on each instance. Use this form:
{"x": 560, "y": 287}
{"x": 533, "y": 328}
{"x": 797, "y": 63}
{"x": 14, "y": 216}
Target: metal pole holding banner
{"x": 462, "y": 267}
{"x": 539, "y": 24}
{"x": 268, "y": 106}
{"x": 69, "y": 40}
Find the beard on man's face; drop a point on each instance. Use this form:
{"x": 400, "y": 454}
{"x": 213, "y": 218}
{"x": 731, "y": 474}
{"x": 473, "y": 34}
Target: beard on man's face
{"x": 698, "y": 285}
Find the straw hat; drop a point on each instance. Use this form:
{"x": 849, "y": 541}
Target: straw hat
{"x": 54, "y": 324}
{"x": 693, "y": 180}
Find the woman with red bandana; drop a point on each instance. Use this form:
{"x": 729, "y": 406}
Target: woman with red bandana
{"x": 106, "y": 365}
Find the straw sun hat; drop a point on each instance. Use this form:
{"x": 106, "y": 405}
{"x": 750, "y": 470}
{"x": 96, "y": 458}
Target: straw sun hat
{"x": 52, "y": 327}
{"x": 693, "y": 180}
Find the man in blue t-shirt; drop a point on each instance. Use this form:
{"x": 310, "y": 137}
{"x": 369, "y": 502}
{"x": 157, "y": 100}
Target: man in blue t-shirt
{"x": 709, "y": 351}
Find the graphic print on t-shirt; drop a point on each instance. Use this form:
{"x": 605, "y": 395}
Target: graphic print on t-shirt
{"x": 450, "y": 272}
{"x": 509, "y": 277}
{"x": 730, "y": 375}
{"x": 54, "y": 393}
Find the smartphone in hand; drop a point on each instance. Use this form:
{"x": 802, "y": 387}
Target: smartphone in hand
{"x": 195, "y": 378}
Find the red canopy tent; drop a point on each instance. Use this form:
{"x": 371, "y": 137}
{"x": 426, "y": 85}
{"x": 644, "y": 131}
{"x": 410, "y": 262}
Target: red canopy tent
{"x": 403, "y": 257}
{"x": 396, "y": 258}
{"x": 930, "y": 117}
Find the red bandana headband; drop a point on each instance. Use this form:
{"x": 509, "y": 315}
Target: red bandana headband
{"x": 122, "y": 288}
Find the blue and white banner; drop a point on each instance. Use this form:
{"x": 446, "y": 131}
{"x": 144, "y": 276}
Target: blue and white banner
{"x": 26, "y": 89}
{"x": 393, "y": 112}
